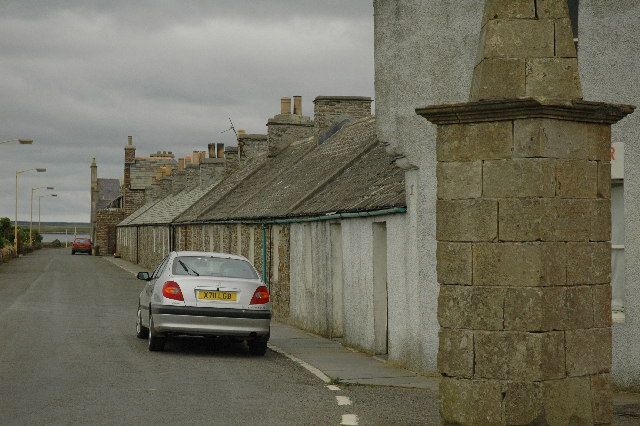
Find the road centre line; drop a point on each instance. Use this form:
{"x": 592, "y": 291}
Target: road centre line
{"x": 349, "y": 420}
{"x": 343, "y": 400}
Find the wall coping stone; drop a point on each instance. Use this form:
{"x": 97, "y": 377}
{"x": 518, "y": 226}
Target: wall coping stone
{"x": 513, "y": 109}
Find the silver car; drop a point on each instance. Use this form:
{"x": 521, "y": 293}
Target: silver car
{"x": 204, "y": 294}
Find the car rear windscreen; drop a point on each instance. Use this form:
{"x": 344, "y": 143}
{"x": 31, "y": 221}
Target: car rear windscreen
{"x": 213, "y": 267}
{"x": 81, "y": 240}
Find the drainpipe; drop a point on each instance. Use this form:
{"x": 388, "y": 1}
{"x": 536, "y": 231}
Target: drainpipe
{"x": 265, "y": 277}
{"x": 137, "y": 245}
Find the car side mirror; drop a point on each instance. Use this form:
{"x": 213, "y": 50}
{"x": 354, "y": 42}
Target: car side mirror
{"x": 144, "y": 276}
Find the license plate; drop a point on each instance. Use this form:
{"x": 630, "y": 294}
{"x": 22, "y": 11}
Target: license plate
{"x": 224, "y": 296}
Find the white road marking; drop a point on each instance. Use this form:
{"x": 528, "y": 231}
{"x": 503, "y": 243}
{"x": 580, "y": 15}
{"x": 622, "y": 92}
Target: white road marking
{"x": 319, "y": 374}
{"x": 349, "y": 420}
{"x": 343, "y": 400}
{"x": 333, "y": 388}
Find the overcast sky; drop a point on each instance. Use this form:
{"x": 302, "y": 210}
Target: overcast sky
{"x": 79, "y": 76}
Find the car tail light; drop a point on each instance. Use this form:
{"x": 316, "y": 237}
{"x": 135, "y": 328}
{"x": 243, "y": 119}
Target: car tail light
{"x": 260, "y": 296}
{"x": 171, "y": 290}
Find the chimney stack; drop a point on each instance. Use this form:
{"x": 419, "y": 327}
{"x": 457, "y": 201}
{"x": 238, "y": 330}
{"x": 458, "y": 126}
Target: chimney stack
{"x": 212, "y": 150}
{"x": 285, "y": 127}
{"x": 285, "y": 105}
{"x": 332, "y": 110}
{"x": 129, "y": 159}
{"x": 181, "y": 162}
{"x": 297, "y": 105}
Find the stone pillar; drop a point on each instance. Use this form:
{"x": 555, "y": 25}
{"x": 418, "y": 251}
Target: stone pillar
{"x": 129, "y": 159}
{"x": 523, "y": 228}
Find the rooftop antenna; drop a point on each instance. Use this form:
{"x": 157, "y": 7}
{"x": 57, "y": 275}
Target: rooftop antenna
{"x": 231, "y": 128}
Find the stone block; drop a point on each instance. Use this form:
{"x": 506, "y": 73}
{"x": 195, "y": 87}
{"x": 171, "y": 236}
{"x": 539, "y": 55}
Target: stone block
{"x": 601, "y": 305}
{"x": 453, "y": 306}
{"x": 565, "y": 47}
{"x": 486, "y": 308}
{"x": 495, "y": 78}
{"x": 505, "y": 9}
{"x": 522, "y": 403}
{"x": 453, "y": 263}
{"x": 513, "y": 355}
{"x": 517, "y": 38}
{"x": 521, "y": 219}
{"x": 458, "y": 180}
{"x": 588, "y": 263}
{"x": 578, "y": 307}
{"x": 602, "y": 398}
{"x": 520, "y": 177}
{"x": 455, "y": 353}
{"x": 465, "y": 307}
{"x": 475, "y": 141}
{"x": 567, "y": 401}
{"x": 588, "y": 351}
{"x": 467, "y": 220}
{"x": 554, "y": 219}
{"x": 576, "y": 179}
{"x": 464, "y": 401}
{"x": 552, "y": 9}
{"x": 604, "y": 179}
{"x": 534, "y": 309}
{"x": 561, "y": 139}
{"x": 518, "y": 264}
{"x": 553, "y": 78}
{"x": 600, "y": 220}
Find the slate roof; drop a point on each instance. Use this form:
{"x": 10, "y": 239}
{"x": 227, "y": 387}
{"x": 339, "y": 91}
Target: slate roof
{"x": 349, "y": 172}
{"x": 167, "y": 209}
{"x": 108, "y": 190}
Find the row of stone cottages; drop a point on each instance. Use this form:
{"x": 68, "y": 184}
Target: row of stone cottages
{"x": 313, "y": 205}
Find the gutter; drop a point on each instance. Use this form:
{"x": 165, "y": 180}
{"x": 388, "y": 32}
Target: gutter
{"x": 300, "y": 219}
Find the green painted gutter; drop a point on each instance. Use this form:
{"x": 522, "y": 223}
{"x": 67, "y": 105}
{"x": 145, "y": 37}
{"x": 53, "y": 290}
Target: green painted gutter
{"x": 265, "y": 276}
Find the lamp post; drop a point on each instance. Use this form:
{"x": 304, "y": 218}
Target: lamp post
{"x": 20, "y": 141}
{"x": 39, "y": 198}
{"x": 15, "y": 227}
{"x": 49, "y": 188}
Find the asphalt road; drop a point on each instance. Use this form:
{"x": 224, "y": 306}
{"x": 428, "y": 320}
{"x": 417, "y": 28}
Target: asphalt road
{"x": 69, "y": 355}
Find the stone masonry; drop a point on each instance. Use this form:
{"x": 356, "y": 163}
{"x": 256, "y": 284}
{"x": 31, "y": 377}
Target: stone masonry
{"x": 523, "y": 228}
{"x": 330, "y": 110}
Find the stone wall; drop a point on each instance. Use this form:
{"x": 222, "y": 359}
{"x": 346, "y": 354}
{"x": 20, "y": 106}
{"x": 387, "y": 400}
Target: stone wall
{"x": 106, "y": 235}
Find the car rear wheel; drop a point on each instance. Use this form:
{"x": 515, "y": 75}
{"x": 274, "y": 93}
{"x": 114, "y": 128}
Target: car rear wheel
{"x": 257, "y": 346}
{"x": 156, "y": 341}
{"x": 142, "y": 332}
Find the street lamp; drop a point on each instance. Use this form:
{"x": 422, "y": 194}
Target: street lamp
{"x": 39, "y": 198}
{"x": 48, "y": 188}
{"x": 20, "y": 141}
{"x": 15, "y": 225}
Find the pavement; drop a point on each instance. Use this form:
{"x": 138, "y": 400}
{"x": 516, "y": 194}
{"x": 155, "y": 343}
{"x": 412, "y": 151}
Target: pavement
{"x": 328, "y": 359}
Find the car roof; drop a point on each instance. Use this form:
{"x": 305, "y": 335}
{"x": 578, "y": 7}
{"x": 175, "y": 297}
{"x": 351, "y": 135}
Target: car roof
{"x": 210, "y": 254}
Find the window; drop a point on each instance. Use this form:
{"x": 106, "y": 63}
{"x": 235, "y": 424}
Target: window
{"x": 214, "y": 267}
{"x": 574, "y": 6}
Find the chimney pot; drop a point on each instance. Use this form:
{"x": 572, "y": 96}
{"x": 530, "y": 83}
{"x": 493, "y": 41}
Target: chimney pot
{"x": 297, "y": 105}
{"x": 129, "y": 140}
{"x": 285, "y": 106}
{"x": 220, "y": 150}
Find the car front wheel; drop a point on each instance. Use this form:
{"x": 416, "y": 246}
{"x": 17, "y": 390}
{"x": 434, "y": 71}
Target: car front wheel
{"x": 142, "y": 332}
{"x": 156, "y": 341}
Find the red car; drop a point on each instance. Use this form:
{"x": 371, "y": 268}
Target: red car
{"x": 81, "y": 245}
